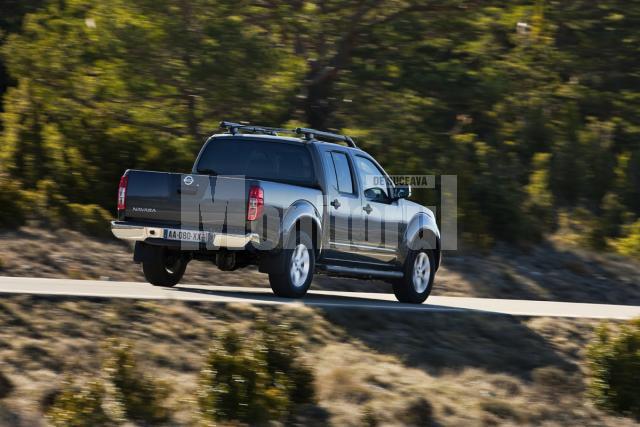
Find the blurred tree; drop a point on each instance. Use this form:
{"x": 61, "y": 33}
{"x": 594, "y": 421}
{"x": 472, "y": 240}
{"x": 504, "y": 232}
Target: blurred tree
{"x": 11, "y": 14}
{"x": 479, "y": 89}
{"x": 108, "y": 85}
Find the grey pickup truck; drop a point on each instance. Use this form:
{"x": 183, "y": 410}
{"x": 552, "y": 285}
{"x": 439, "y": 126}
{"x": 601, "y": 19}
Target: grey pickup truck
{"x": 291, "y": 205}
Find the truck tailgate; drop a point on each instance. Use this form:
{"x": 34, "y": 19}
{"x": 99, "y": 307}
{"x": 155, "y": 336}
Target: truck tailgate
{"x": 187, "y": 200}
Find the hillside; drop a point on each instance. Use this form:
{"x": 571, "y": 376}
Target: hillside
{"x": 394, "y": 368}
{"x": 401, "y": 369}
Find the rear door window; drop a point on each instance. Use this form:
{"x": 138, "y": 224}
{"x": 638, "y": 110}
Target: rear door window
{"x": 343, "y": 172}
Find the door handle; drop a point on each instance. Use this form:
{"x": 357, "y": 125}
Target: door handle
{"x": 335, "y": 203}
{"x": 367, "y": 209}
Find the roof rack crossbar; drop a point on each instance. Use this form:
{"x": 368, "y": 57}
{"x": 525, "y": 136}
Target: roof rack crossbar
{"x": 234, "y": 127}
{"x": 309, "y": 134}
{"x": 313, "y": 133}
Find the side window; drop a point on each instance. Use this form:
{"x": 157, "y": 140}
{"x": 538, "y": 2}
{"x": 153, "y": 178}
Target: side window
{"x": 343, "y": 172}
{"x": 331, "y": 170}
{"x": 374, "y": 181}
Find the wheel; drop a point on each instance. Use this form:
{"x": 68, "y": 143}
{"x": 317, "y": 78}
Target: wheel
{"x": 163, "y": 267}
{"x": 299, "y": 267}
{"x": 415, "y": 286}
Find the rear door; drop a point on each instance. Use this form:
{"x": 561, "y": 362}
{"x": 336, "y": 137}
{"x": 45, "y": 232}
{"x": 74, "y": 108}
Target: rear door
{"x": 344, "y": 221}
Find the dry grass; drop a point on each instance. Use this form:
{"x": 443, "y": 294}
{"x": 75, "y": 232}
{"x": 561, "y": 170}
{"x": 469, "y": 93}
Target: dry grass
{"x": 372, "y": 367}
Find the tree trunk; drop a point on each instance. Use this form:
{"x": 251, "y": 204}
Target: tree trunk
{"x": 318, "y": 104}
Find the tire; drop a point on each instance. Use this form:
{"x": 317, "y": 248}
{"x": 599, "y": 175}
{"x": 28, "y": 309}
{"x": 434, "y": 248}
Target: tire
{"x": 415, "y": 288}
{"x": 163, "y": 267}
{"x": 300, "y": 259}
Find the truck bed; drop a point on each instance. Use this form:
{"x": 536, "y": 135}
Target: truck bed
{"x": 213, "y": 204}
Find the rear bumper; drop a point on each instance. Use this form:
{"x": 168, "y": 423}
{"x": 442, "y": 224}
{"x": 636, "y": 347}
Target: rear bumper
{"x": 140, "y": 233}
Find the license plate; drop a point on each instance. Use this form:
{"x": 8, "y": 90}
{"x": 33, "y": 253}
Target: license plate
{"x": 187, "y": 235}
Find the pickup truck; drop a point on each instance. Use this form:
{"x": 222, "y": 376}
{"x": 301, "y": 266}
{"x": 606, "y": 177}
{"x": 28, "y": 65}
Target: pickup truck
{"x": 292, "y": 205}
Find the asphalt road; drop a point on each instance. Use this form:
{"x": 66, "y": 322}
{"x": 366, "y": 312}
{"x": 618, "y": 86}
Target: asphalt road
{"x": 368, "y": 300}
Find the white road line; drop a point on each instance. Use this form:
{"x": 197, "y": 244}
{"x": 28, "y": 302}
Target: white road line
{"x": 365, "y": 300}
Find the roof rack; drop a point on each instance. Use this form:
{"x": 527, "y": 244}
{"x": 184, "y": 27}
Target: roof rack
{"x": 310, "y": 134}
{"x": 234, "y": 127}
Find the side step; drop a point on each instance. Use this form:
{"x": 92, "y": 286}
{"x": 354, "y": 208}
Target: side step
{"x": 359, "y": 272}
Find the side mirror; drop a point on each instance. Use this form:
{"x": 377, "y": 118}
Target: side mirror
{"x": 376, "y": 194}
{"x": 403, "y": 192}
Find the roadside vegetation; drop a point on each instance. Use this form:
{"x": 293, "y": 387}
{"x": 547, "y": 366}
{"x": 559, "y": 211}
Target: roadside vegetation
{"x": 614, "y": 362}
{"x": 248, "y": 381}
{"x": 332, "y": 367}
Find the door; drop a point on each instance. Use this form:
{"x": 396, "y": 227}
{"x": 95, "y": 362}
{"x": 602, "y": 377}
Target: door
{"x": 382, "y": 214}
{"x": 343, "y": 206}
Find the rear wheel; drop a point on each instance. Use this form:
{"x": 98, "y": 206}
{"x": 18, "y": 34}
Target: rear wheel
{"x": 299, "y": 264}
{"x": 163, "y": 267}
{"x": 415, "y": 286}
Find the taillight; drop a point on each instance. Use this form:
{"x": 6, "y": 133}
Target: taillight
{"x": 255, "y": 205}
{"x": 122, "y": 193}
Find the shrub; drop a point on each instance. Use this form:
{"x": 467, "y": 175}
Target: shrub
{"x": 419, "y": 412}
{"x": 80, "y": 406}
{"x": 614, "y": 362}
{"x": 90, "y": 219}
{"x": 281, "y": 353}
{"x": 254, "y": 385}
{"x": 6, "y": 386}
{"x": 141, "y": 398}
{"x": 11, "y": 204}
{"x": 123, "y": 392}
{"x": 582, "y": 228}
{"x": 235, "y": 386}
{"x": 369, "y": 418}
{"x": 630, "y": 243}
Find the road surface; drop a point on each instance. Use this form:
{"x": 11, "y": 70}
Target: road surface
{"x": 369, "y": 300}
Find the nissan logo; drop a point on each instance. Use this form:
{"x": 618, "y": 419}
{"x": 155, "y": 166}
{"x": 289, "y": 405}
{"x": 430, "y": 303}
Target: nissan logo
{"x": 188, "y": 180}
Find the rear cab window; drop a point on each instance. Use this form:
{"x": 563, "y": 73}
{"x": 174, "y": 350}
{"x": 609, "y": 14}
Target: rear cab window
{"x": 268, "y": 160}
{"x": 344, "y": 175}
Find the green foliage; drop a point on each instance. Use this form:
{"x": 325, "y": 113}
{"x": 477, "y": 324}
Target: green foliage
{"x": 281, "y": 353}
{"x": 123, "y": 392}
{"x": 629, "y": 244}
{"x": 254, "y": 385}
{"x": 141, "y": 397}
{"x": 80, "y": 406}
{"x": 235, "y": 386}
{"x": 614, "y": 362}
{"x": 535, "y": 119}
{"x": 90, "y": 219}
{"x": 581, "y": 227}
{"x": 539, "y": 204}
{"x": 11, "y": 203}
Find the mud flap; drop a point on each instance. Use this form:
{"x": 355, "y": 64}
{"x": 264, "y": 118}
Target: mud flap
{"x": 272, "y": 263}
{"x": 141, "y": 252}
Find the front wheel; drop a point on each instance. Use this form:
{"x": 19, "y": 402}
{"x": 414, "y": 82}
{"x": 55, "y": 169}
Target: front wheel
{"x": 163, "y": 267}
{"x": 299, "y": 268}
{"x": 415, "y": 286}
